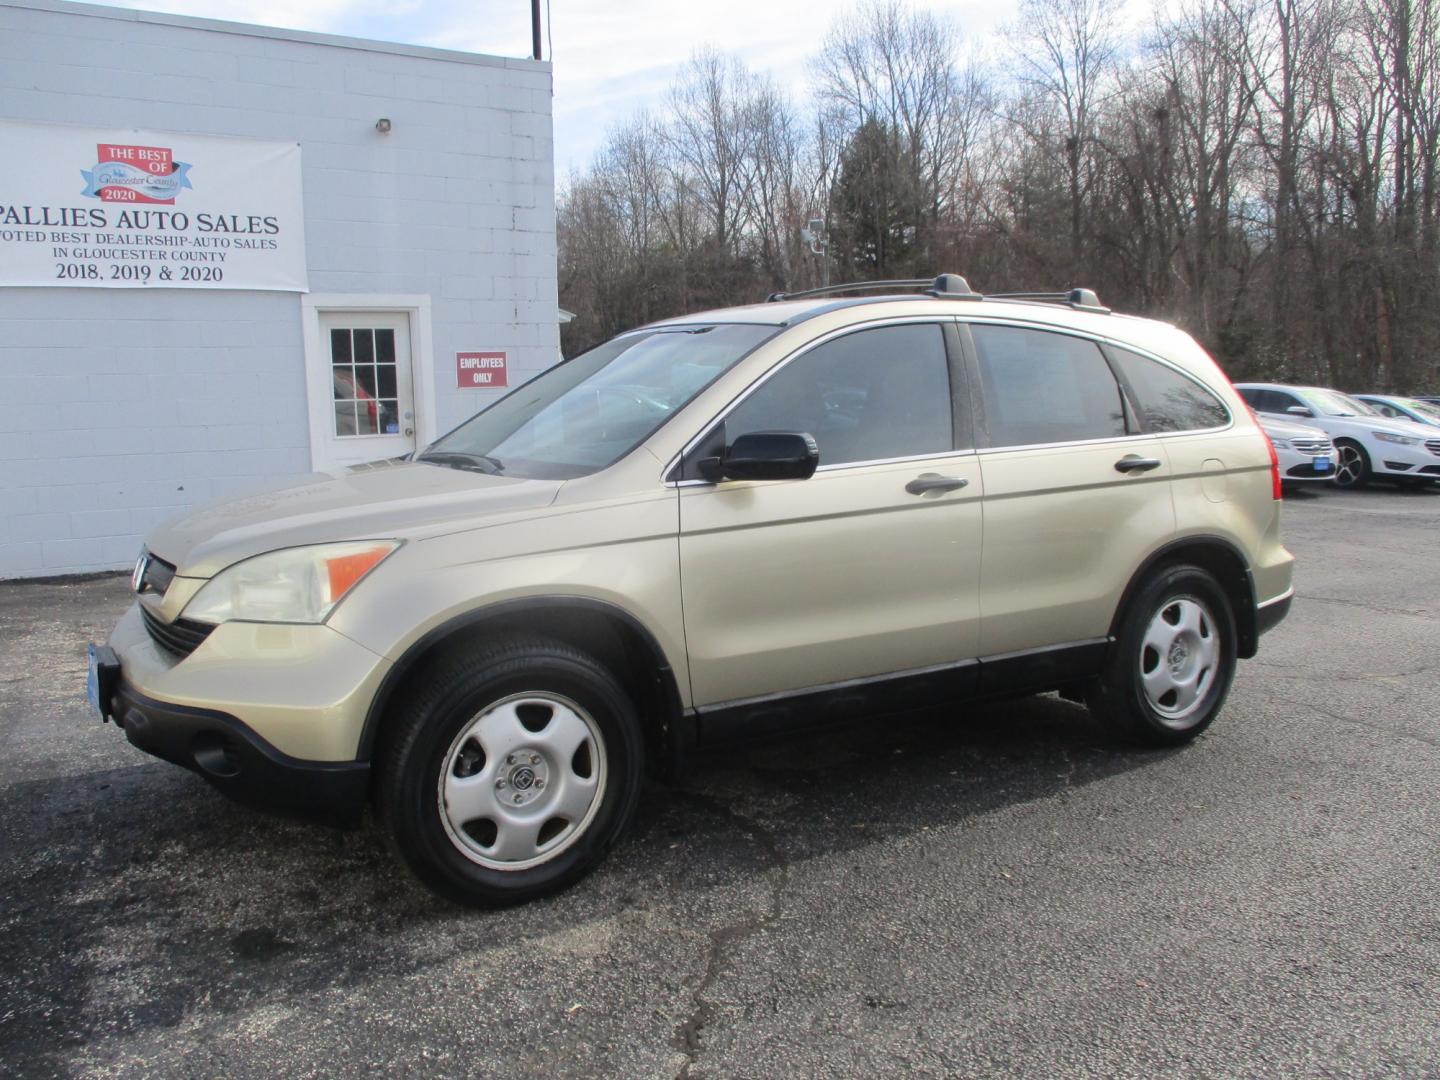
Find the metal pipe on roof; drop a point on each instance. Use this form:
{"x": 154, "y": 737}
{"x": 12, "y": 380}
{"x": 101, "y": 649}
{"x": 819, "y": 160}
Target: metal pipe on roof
{"x": 535, "y": 28}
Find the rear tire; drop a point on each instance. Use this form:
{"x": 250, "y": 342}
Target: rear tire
{"x": 1352, "y": 466}
{"x": 1172, "y": 663}
{"x": 510, "y": 772}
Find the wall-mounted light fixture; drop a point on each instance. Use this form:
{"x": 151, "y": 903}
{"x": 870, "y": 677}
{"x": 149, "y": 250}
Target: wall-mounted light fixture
{"x": 383, "y": 125}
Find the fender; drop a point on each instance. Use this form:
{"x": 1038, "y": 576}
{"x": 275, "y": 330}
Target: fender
{"x": 422, "y": 647}
{"x": 1240, "y": 589}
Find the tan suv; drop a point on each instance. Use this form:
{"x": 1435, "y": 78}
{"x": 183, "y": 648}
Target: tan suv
{"x": 715, "y": 527}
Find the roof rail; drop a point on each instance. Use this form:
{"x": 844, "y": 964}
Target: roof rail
{"x": 946, "y": 286}
{"x": 954, "y": 287}
{"x": 1079, "y": 299}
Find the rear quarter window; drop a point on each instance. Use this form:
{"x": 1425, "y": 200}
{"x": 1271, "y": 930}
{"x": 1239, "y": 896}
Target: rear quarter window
{"x": 1167, "y": 400}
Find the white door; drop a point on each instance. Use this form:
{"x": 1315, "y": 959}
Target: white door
{"x": 366, "y": 411}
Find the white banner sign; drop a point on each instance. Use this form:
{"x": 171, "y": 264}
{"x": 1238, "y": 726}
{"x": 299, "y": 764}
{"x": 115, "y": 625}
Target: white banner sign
{"x": 99, "y": 208}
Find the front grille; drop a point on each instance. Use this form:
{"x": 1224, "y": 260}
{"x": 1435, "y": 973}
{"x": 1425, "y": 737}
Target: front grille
{"x": 1312, "y": 446}
{"x": 1433, "y": 445}
{"x": 182, "y": 637}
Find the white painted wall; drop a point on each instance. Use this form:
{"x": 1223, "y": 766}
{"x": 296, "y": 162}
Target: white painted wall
{"x": 119, "y": 407}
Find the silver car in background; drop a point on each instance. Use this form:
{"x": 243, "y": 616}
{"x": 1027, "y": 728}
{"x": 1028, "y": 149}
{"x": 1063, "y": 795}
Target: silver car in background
{"x": 1367, "y": 444}
{"x": 1415, "y": 410}
{"x": 1305, "y": 453}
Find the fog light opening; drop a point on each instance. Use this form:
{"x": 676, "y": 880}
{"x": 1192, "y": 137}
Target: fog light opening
{"x": 213, "y": 755}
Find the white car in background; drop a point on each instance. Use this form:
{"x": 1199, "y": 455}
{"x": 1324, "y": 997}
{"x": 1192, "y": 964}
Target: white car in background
{"x": 1367, "y": 444}
{"x": 1403, "y": 408}
{"x": 1305, "y": 453}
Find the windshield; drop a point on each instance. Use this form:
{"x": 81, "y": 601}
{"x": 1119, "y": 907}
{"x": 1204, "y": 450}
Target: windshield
{"x": 1422, "y": 408}
{"x": 1333, "y": 403}
{"x": 585, "y": 414}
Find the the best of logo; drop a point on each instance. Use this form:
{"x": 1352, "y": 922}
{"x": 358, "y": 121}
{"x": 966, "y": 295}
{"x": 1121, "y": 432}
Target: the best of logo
{"x": 135, "y": 174}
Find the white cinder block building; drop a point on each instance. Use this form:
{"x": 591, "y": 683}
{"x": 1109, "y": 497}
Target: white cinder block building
{"x": 230, "y": 253}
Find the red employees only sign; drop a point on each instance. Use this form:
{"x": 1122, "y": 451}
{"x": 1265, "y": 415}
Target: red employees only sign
{"x": 480, "y": 370}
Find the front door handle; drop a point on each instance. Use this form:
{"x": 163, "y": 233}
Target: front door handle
{"x": 1134, "y": 463}
{"x": 927, "y": 482}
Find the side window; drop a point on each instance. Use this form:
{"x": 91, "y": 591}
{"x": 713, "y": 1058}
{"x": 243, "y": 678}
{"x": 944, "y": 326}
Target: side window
{"x": 1266, "y": 401}
{"x": 1277, "y": 401}
{"x": 1043, "y": 387}
{"x": 1169, "y": 401}
{"x": 880, "y": 393}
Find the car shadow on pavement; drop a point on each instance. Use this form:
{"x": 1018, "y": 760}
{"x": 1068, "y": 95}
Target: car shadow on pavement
{"x": 137, "y": 896}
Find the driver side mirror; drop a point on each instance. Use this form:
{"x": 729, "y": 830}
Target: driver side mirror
{"x": 1299, "y": 410}
{"x": 764, "y": 455}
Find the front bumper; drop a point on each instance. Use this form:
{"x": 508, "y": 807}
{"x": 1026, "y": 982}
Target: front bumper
{"x": 1392, "y": 459}
{"x": 1297, "y": 466}
{"x": 305, "y": 690}
{"x": 234, "y": 758}
{"x": 269, "y": 714}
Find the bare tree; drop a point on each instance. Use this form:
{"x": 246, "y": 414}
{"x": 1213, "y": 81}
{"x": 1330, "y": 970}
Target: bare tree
{"x": 1264, "y": 172}
{"x": 1067, "y": 53}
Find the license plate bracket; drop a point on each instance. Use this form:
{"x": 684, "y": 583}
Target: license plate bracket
{"x": 101, "y": 678}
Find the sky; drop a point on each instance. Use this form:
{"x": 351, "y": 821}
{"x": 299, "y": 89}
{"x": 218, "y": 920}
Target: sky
{"x": 610, "y": 58}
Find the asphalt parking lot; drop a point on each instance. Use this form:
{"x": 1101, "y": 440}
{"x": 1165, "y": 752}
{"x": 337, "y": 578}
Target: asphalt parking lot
{"x": 993, "y": 892}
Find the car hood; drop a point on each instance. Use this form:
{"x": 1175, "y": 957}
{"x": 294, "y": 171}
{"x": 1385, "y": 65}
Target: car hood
{"x": 1283, "y": 429}
{"x": 1395, "y": 427}
{"x": 379, "y": 501}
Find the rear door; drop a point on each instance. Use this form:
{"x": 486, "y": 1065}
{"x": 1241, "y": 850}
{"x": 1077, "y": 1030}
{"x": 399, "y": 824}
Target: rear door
{"x": 1220, "y": 474}
{"x": 1075, "y": 497}
{"x": 857, "y": 571}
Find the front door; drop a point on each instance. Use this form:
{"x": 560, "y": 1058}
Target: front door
{"x": 369, "y": 411}
{"x": 859, "y": 570}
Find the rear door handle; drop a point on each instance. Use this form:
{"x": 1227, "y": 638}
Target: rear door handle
{"x": 1133, "y": 463}
{"x": 926, "y": 482}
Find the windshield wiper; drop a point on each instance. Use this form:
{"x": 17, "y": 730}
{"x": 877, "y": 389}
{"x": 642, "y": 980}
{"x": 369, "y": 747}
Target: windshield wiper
{"x": 481, "y": 463}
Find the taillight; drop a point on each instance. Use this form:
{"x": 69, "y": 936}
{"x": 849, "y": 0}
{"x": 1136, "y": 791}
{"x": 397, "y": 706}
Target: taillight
{"x": 1277, "y": 489}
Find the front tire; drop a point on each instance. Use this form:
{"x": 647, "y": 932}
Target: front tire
{"x": 511, "y": 771}
{"x": 1352, "y": 466}
{"x": 1172, "y": 662}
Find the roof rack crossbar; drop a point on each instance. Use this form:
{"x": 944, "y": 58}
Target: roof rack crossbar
{"x": 949, "y": 286}
{"x": 854, "y": 286}
{"x": 1079, "y": 299}
{"x": 954, "y": 287}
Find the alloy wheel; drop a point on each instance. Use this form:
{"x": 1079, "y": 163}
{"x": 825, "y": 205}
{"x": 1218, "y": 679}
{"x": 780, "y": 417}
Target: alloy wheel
{"x": 1350, "y": 466}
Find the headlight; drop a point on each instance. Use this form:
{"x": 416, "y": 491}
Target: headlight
{"x": 1403, "y": 440}
{"x": 1280, "y": 444}
{"x": 294, "y": 585}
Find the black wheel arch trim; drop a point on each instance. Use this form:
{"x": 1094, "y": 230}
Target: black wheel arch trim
{"x": 432, "y": 638}
{"x": 1247, "y": 627}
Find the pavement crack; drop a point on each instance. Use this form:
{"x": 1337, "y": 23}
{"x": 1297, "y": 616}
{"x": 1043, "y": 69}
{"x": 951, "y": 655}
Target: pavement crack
{"x": 1428, "y": 740}
{"x": 725, "y": 939}
{"x": 1421, "y": 613}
